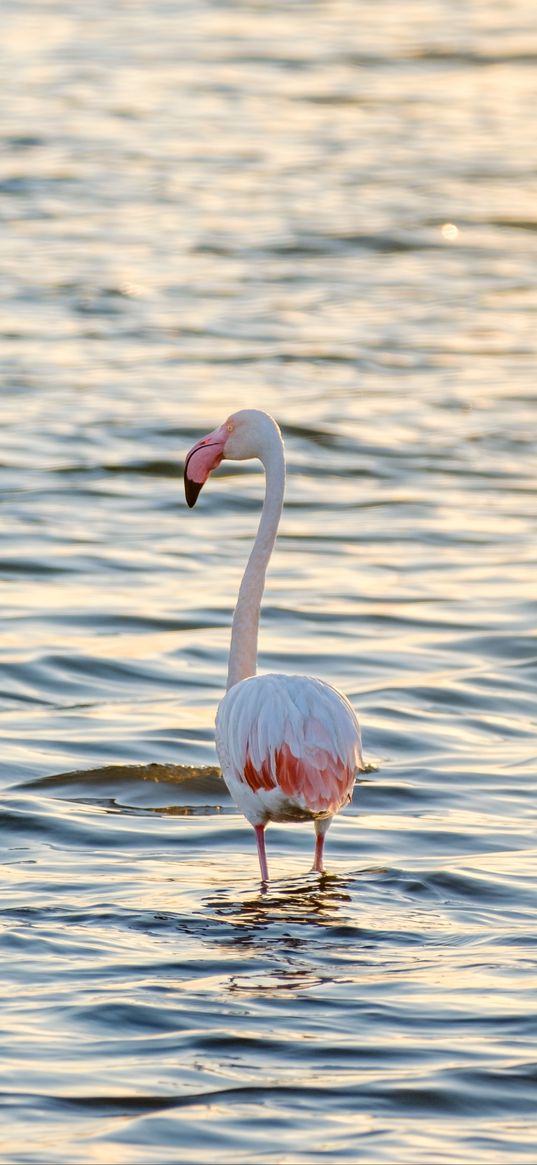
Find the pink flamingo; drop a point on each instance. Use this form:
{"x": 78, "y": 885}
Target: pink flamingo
{"x": 288, "y": 745}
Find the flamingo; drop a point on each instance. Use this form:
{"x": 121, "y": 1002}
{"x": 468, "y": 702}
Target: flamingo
{"x": 288, "y": 745}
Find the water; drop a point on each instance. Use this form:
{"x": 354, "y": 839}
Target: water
{"x": 326, "y": 210}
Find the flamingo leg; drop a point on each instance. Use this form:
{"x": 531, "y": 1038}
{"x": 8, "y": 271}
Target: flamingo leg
{"x": 320, "y": 833}
{"x": 260, "y": 838}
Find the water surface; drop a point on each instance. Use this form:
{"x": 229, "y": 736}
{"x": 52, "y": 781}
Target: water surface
{"x": 326, "y": 210}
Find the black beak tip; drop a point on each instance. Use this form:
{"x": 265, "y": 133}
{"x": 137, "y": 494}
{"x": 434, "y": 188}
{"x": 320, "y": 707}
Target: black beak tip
{"x": 192, "y": 491}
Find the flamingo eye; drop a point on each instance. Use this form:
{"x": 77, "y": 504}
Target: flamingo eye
{"x": 230, "y": 428}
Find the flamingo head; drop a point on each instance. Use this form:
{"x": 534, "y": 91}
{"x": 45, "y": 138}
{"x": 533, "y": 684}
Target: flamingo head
{"x": 241, "y": 437}
{"x": 204, "y": 456}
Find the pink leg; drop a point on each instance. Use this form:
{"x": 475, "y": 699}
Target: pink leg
{"x": 260, "y": 838}
{"x": 320, "y": 831}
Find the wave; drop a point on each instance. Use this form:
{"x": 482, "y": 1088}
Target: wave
{"x": 170, "y": 788}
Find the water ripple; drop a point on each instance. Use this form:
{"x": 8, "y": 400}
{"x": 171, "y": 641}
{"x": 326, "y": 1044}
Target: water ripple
{"x": 225, "y": 204}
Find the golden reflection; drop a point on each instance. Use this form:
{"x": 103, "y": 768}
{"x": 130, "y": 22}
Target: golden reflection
{"x": 449, "y": 232}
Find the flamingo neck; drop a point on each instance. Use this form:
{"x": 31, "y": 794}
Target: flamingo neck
{"x": 243, "y": 650}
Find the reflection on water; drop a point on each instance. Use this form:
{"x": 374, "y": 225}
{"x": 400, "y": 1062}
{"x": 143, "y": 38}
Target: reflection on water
{"x": 315, "y": 899}
{"x": 207, "y": 206}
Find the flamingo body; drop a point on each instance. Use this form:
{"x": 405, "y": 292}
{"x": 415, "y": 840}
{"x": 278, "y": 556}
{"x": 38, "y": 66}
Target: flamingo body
{"x": 288, "y": 745}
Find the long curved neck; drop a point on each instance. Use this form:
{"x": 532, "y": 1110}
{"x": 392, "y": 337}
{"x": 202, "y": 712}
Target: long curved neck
{"x": 243, "y": 650}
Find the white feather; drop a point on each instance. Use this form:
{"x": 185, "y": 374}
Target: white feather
{"x": 261, "y": 714}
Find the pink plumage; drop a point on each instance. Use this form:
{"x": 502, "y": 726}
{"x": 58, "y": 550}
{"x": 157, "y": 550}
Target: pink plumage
{"x": 288, "y": 745}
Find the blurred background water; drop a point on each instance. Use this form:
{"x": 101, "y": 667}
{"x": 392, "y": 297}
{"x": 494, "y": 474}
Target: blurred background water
{"x": 326, "y": 210}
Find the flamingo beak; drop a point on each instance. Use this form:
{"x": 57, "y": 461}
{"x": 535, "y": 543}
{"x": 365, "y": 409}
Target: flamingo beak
{"x": 205, "y": 456}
